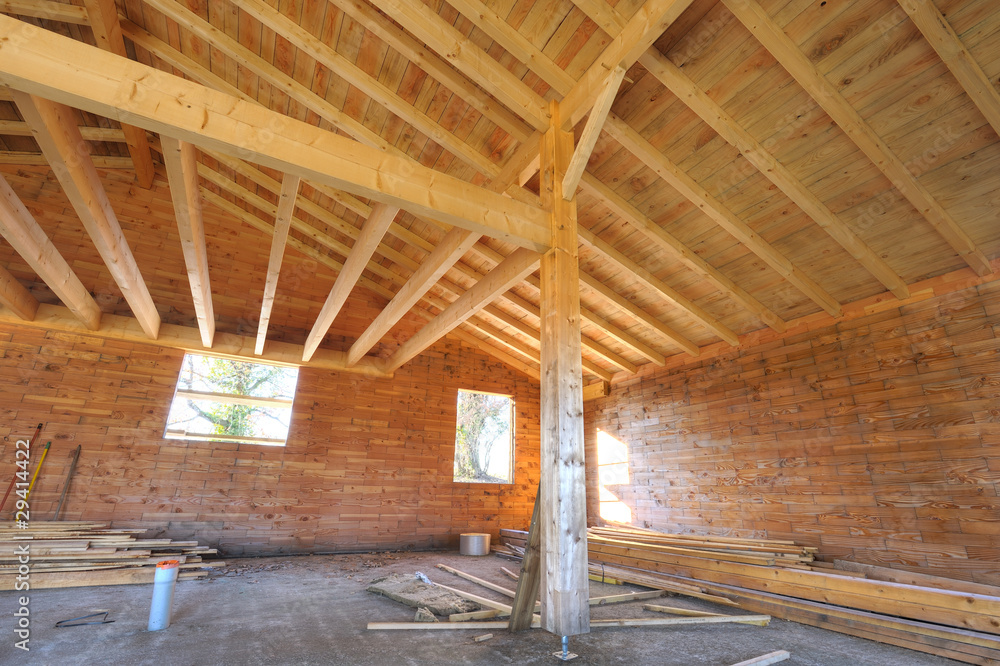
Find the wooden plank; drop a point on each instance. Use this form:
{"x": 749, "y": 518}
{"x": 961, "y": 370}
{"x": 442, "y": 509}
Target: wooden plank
{"x": 759, "y": 620}
{"x": 58, "y": 135}
{"x": 913, "y": 578}
{"x": 943, "y": 39}
{"x": 454, "y": 245}
{"x": 233, "y": 399}
{"x": 21, "y": 128}
{"x": 591, "y": 132}
{"x": 475, "y": 615}
{"x": 218, "y": 122}
{"x": 13, "y": 295}
{"x": 46, "y": 9}
{"x": 598, "y": 390}
{"x": 513, "y": 269}
{"x": 764, "y": 659}
{"x": 29, "y": 240}
{"x": 181, "y": 162}
{"x": 282, "y": 222}
{"x": 716, "y": 117}
{"x": 479, "y": 581}
{"x": 626, "y": 598}
{"x": 774, "y": 39}
{"x": 103, "y": 15}
{"x": 673, "y": 610}
{"x": 531, "y": 572}
{"x": 564, "y": 579}
{"x": 719, "y": 213}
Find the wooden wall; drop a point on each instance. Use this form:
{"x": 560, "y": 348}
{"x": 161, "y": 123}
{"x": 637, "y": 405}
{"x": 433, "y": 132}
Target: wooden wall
{"x": 368, "y": 464}
{"x": 875, "y": 439}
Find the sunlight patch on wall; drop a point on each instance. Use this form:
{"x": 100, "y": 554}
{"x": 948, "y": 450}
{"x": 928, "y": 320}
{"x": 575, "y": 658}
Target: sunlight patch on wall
{"x": 612, "y": 471}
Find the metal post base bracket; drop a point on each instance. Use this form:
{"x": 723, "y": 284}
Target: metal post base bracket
{"x": 564, "y": 654}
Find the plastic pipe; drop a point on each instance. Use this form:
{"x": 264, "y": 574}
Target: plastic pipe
{"x": 163, "y": 594}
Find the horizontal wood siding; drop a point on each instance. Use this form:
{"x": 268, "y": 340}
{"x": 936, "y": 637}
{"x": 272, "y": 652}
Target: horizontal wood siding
{"x": 368, "y": 463}
{"x": 876, "y": 439}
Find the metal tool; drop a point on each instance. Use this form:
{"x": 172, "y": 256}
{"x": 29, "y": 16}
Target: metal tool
{"x": 73, "y": 621}
{"x": 13, "y": 479}
{"x": 69, "y": 478}
{"x": 38, "y": 469}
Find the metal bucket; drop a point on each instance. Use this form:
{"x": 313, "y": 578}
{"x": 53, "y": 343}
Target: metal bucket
{"x": 474, "y": 544}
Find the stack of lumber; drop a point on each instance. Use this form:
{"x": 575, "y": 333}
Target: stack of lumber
{"x": 781, "y": 579}
{"x": 82, "y": 554}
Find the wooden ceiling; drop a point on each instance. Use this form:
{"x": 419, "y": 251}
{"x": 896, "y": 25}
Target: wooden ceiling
{"x": 750, "y": 163}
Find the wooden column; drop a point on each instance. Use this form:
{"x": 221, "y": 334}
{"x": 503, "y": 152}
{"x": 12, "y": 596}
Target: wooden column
{"x": 564, "y": 586}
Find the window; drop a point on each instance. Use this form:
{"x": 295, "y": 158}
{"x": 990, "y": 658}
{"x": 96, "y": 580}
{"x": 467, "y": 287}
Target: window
{"x": 224, "y": 400}
{"x": 612, "y": 471}
{"x": 484, "y": 438}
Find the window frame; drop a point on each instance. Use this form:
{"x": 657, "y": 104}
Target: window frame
{"x": 230, "y": 399}
{"x": 513, "y": 438}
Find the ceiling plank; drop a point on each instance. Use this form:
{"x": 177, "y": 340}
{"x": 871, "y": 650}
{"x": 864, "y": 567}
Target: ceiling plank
{"x": 454, "y": 245}
{"x": 785, "y": 51}
{"x": 628, "y": 340}
{"x": 515, "y": 43}
{"x": 665, "y": 290}
{"x": 364, "y": 247}
{"x": 30, "y": 241}
{"x": 282, "y": 222}
{"x": 467, "y": 57}
{"x": 948, "y": 45}
{"x": 645, "y": 27}
{"x": 435, "y": 66}
{"x": 58, "y": 135}
{"x": 513, "y": 269}
{"x": 634, "y": 311}
{"x": 714, "y": 209}
{"x": 182, "y": 174}
{"x": 14, "y": 296}
{"x": 591, "y": 132}
{"x": 716, "y": 117}
{"x": 217, "y": 121}
{"x": 672, "y": 245}
{"x": 311, "y": 45}
{"x": 103, "y": 16}
{"x": 46, "y": 9}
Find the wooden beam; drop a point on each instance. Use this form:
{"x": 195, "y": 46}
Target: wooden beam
{"x": 181, "y": 162}
{"x": 638, "y": 34}
{"x": 282, "y": 222}
{"x": 103, "y": 15}
{"x": 665, "y": 290}
{"x": 187, "y": 338}
{"x": 344, "y": 68}
{"x": 426, "y": 25}
{"x": 624, "y": 338}
{"x": 787, "y": 53}
{"x": 670, "y": 244}
{"x": 364, "y": 247}
{"x": 591, "y": 131}
{"x": 216, "y": 121}
{"x": 19, "y": 158}
{"x": 726, "y": 126}
{"x": 765, "y": 659}
{"x": 512, "y": 270}
{"x": 21, "y": 128}
{"x": 949, "y": 47}
{"x": 528, "y": 581}
{"x": 564, "y": 584}
{"x": 633, "y": 310}
{"x": 719, "y": 213}
{"x": 455, "y": 244}
{"x": 28, "y": 239}
{"x": 46, "y": 9}
{"x": 598, "y": 390}
{"x": 13, "y": 295}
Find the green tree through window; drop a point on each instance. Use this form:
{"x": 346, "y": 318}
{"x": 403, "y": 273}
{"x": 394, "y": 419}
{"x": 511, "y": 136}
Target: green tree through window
{"x": 484, "y": 438}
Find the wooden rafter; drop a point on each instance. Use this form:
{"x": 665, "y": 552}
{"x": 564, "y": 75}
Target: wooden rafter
{"x": 591, "y": 131}
{"x": 364, "y": 247}
{"x": 46, "y": 9}
{"x": 29, "y": 240}
{"x": 57, "y": 133}
{"x": 774, "y": 39}
{"x": 182, "y": 173}
{"x": 14, "y": 296}
{"x": 103, "y": 15}
{"x": 637, "y": 35}
{"x": 448, "y": 251}
{"x": 282, "y": 223}
{"x": 949, "y": 47}
{"x": 21, "y": 128}
{"x": 718, "y": 212}
{"x": 511, "y": 271}
{"x": 38, "y": 159}
{"x": 715, "y": 116}
{"x": 218, "y": 121}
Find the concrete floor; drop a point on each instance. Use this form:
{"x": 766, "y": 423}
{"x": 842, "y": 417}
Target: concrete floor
{"x": 313, "y": 610}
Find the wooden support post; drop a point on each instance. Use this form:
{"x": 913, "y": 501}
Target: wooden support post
{"x": 563, "y": 519}
{"x": 527, "y": 582}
